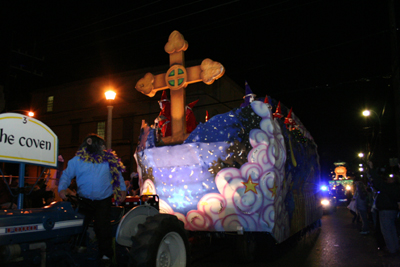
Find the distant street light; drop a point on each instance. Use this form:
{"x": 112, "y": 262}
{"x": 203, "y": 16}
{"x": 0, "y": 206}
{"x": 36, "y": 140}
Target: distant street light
{"x": 24, "y": 112}
{"x": 366, "y": 113}
{"x": 361, "y": 155}
{"x": 110, "y": 96}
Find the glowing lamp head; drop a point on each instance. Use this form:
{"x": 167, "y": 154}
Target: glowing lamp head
{"x": 361, "y": 155}
{"x": 366, "y": 113}
{"x": 110, "y": 95}
{"x": 324, "y": 188}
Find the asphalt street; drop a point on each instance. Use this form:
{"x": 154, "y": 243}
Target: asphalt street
{"x": 337, "y": 243}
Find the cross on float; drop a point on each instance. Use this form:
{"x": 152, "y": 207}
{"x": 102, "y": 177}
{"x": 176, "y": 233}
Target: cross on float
{"x": 176, "y": 79}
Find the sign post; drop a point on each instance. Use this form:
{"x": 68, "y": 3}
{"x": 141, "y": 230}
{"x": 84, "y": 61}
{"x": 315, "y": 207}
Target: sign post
{"x": 25, "y": 140}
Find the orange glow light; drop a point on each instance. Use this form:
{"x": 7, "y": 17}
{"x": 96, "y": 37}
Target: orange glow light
{"x": 110, "y": 95}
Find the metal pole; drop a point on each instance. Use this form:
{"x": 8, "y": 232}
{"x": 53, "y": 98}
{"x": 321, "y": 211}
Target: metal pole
{"x": 395, "y": 70}
{"x": 21, "y": 185}
{"x": 377, "y": 142}
{"x": 109, "y": 126}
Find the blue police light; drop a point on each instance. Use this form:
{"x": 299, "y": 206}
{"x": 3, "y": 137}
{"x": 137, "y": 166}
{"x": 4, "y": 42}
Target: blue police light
{"x": 324, "y": 188}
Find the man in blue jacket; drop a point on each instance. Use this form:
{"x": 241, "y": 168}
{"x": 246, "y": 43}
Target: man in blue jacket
{"x": 98, "y": 177}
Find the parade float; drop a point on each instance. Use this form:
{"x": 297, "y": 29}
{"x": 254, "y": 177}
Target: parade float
{"x": 252, "y": 169}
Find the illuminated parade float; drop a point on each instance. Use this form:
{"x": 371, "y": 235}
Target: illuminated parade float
{"x": 248, "y": 170}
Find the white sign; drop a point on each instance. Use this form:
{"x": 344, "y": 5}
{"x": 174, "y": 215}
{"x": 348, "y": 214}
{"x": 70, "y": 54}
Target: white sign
{"x": 27, "y": 140}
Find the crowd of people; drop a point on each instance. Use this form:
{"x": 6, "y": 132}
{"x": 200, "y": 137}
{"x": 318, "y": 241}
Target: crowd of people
{"x": 376, "y": 205}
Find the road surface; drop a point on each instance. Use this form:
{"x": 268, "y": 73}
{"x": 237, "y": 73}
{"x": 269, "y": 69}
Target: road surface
{"x": 337, "y": 243}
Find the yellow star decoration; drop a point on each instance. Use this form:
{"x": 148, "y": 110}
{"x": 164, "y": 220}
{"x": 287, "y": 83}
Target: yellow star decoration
{"x": 250, "y": 186}
{"x": 273, "y": 189}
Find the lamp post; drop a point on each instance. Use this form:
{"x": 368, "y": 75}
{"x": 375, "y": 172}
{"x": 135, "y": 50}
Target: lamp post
{"x": 110, "y": 95}
{"x": 366, "y": 113}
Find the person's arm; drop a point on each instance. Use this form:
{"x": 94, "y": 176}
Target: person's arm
{"x": 122, "y": 197}
{"x": 70, "y": 192}
{"x": 65, "y": 179}
{"x": 123, "y": 188}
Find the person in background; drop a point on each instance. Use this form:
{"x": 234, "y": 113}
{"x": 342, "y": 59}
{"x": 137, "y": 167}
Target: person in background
{"x": 38, "y": 194}
{"x": 98, "y": 178}
{"x": 6, "y": 199}
{"x": 361, "y": 197}
{"x": 370, "y": 201}
{"x": 386, "y": 203}
{"x": 351, "y": 199}
{"x": 375, "y": 219}
{"x": 129, "y": 191}
{"x": 134, "y": 184}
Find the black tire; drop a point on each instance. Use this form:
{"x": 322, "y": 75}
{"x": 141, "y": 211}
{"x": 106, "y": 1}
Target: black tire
{"x": 246, "y": 247}
{"x": 150, "y": 250}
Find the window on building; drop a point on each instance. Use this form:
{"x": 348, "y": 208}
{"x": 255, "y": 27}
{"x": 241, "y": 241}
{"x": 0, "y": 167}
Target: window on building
{"x": 101, "y": 129}
{"x": 50, "y": 102}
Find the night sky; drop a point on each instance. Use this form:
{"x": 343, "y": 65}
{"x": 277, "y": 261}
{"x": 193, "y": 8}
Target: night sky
{"x": 328, "y": 59}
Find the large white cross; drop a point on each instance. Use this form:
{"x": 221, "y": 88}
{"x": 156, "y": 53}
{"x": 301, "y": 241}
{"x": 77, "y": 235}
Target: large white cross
{"x": 176, "y": 79}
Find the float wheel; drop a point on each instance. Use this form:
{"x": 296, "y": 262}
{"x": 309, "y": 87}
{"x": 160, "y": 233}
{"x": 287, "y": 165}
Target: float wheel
{"x": 246, "y": 247}
{"x": 161, "y": 241}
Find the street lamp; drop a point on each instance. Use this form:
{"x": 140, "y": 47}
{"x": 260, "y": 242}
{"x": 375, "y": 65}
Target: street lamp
{"x": 366, "y": 113}
{"x": 25, "y": 112}
{"x": 110, "y": 95}
{"x": 360, "y": 155}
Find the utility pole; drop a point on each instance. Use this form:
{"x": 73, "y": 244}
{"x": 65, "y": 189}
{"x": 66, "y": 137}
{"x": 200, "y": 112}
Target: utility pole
{"x": 395, "y": 70}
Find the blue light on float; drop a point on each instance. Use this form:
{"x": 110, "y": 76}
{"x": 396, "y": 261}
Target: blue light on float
{"x": 324, "y": 188}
